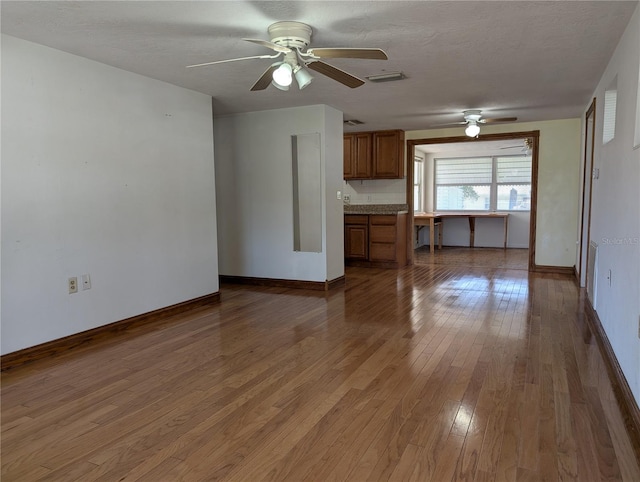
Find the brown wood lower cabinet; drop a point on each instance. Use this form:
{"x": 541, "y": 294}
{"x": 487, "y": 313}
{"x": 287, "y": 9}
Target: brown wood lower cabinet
{"x": 376, "y": 240}
{"x": 356, "y": 237}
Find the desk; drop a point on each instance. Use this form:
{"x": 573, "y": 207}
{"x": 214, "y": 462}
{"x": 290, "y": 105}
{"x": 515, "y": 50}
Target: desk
{"x": 430, "y": 219}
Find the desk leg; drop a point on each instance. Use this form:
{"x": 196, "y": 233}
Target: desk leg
{"x": 506, "y": 230}
{"x": 472, "y": 231}
{"x": 431, "y": 236}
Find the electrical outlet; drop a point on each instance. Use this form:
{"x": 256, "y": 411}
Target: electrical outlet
{"x": 73, "y": 285}
{"x": 86, "y": 282}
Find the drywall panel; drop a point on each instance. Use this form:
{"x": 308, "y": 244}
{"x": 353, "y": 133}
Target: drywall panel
{"x": 615, "y": 217}
{"x": 105, "y": 173}
{"x": 334, "y": 230}
{"x": 255, "y": 199}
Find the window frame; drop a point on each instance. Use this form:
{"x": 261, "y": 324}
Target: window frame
{"x": 418, "y": 201}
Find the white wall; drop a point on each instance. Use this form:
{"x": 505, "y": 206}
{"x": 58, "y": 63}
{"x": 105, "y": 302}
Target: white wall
{"x": 377, "y": 191}
{"x": 615, "y": 221}
{"x": 489, "y": 233}
{"x": 103, "y": 172}
{"x": 558, "y": 184}
{"x": 333, "y": 152}
{"x": 255, "y": 197}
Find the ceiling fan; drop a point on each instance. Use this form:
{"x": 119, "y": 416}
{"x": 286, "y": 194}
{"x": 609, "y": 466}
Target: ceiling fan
{"x": 290, "y": 40}
{"x": 472, "y": 119}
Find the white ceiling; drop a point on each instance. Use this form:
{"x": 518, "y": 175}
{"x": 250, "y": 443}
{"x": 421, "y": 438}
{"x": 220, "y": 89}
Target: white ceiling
{"x": 533, "y": 60}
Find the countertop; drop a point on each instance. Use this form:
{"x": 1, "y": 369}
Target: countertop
{"x": 376, "y": 209}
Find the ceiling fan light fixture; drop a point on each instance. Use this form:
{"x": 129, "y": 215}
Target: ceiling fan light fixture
{"x": 472, "y": 129}
{"x": 282, "y": 76}
{"x": 303, "y": 77}
{"x": 278, "y": 86}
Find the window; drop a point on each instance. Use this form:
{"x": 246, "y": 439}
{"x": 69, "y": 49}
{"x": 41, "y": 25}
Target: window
{"x": 609, "y": 122}
{"x": 417, "y": 184}
{"x": 513, "y": 183}
{"x": 499, "y": 183}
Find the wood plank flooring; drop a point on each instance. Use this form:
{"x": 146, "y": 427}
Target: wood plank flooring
{"x": 511, "y": 258}
{"x": 429, "y": 373}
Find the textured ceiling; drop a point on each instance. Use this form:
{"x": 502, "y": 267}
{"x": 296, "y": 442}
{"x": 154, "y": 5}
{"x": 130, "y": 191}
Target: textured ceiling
{"x": 532, "y": 60}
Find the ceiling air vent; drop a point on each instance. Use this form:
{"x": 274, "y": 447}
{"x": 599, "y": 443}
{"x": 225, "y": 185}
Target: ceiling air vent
{"x": 386, "y": 77}
{"x": 353, "y": 122}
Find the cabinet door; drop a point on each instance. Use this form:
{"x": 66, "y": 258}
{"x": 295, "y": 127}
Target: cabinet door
{"x": 349, "y": 156}
{"x": 388, "y": 147}
{"x": 363, "y": 156}
{"x": 356, "y": 242}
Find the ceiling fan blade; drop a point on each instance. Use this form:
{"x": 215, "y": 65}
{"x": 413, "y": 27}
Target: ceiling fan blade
{"x": 265, "y": 79}
{"x": 500, "y": 119}
{"x": 235, "y": 60}
{"x": 270, "y": 45}
{"x": 348, "y": 53}
{"x": 336, "y": 74}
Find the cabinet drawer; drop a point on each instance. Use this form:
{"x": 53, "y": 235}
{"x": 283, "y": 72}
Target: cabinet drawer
{"x": 356, "y": 219}
{"x": 383, "y": 219}
{"x": 382, "y": 234}
{"x": 382, "y": 252}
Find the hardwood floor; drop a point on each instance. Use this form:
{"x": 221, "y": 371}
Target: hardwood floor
{"x": 429, "y": 373}
{"x": 512, "y": 258}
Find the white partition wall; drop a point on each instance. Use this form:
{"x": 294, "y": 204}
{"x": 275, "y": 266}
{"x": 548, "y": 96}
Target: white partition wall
{"x": 106, "y": 173}
{"x": 255, "y": 197}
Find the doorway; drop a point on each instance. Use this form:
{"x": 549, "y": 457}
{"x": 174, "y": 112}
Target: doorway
{"x": 514, "y": 141}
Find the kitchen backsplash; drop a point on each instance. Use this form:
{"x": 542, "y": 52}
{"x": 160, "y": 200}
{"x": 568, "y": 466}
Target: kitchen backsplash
{"x": 378, "y": 191}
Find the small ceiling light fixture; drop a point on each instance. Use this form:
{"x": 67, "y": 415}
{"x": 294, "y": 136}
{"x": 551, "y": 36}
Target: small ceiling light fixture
{"x": 303, "y": 77}
{"x": 386, "y": 77}
{"x": 282, "y": 76}
{"x": 473, "y": 129}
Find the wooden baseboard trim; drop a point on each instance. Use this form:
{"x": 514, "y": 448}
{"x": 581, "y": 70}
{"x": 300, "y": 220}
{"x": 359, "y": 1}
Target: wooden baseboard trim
{"x": 622, "y": 391}
{"x": 54, "y": 347}
{"x": 336, "y": 283}
{"x": 564, "y": 270}
{"x": 373, "y": 264}
{"x": 284, "y": 283}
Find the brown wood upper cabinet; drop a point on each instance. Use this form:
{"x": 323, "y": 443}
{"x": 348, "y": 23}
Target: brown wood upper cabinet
{"x": 357, "y": 155}
{"x": 374, "y": 155}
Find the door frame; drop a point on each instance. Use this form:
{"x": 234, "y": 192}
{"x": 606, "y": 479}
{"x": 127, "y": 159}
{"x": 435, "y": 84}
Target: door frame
{"x": 582, "y": 269}
{"x": 534, "y": 136}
